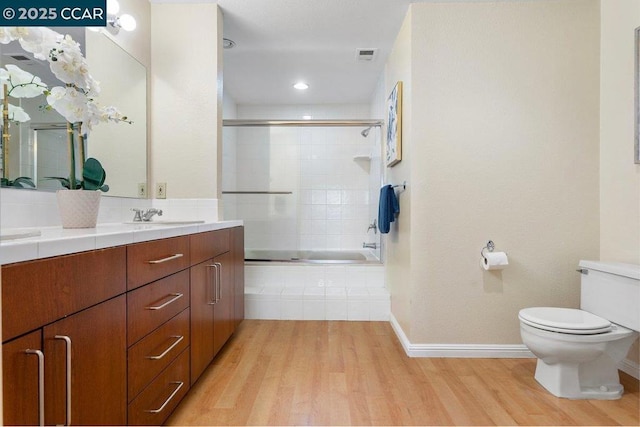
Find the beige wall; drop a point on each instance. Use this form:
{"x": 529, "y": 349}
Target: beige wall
{"x": 186, "y": 105}
{"x": 397, "y": 244}
{"x": 619, "y": 176}
{"x": 137, "y": 43}
{"x": 502, "y": 145}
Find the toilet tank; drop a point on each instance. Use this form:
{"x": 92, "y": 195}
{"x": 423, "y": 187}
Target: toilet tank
{"x": 612, "y": 291}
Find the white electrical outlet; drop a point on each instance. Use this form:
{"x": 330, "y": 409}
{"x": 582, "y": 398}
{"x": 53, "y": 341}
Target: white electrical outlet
{"x": 161, "y": 190}
{"x": 142, "y": 190}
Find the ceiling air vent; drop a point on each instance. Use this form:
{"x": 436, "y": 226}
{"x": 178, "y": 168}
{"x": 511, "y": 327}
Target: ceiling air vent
{"x": 366, "y": 54}
{"x": 19, "y": 57}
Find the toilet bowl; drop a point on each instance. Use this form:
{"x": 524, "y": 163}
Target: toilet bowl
{"x": 579, "y": 350}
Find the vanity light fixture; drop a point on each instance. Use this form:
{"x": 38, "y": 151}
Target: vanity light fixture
{"x": 113, "y": 7}
{"x": 115, "y": 22}
{"x": 301, "y": 86}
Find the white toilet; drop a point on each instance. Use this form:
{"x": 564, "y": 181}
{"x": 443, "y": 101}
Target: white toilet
{"x": 578, "y": 351}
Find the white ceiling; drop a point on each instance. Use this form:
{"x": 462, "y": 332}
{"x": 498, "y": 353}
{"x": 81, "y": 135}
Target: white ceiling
{"x": 279, "y": 42}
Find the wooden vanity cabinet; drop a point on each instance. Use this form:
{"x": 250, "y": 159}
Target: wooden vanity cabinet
{"x": 158, "y": 328}
{"x": 237, "y": 254}
{"x": 136, "y": 324}
{"x": 49, "y": 306}
{"x": 21, "y": 373}
{"x": 212, "y": 298}
{"x": 93, "y": 343}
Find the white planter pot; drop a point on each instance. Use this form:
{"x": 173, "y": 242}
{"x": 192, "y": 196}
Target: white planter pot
{"x": 78, "y": 208}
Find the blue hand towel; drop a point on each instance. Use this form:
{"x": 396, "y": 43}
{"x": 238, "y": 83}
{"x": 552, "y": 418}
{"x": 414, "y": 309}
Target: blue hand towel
{"x": 387, "y": 209}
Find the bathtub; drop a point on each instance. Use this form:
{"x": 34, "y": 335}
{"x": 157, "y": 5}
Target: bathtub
{"x": 315, "y": 285}
{"x": 323, "y": 257}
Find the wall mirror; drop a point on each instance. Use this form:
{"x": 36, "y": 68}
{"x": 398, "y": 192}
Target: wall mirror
{"x": 37, "y": 148}
{"x": 636, "y": 153}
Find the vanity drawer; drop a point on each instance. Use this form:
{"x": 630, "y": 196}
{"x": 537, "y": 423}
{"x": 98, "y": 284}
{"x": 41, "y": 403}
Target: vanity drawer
{"x": 150, "y": 306}
{"x": 208, "y": 245}
{"x": 153, "y": 260}
{"x": 156, "y": 402}
{"x": 35, "y": 293}
{"x": 153, "y": 353}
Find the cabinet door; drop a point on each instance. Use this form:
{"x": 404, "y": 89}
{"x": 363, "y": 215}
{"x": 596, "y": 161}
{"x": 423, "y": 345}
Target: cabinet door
{"x": 94, "y": 343}
{"x": 223, "y": 310}
{"x": 237, "y": 252}
{"x": 21, "y": 379}
{"x": 203, "y": 297}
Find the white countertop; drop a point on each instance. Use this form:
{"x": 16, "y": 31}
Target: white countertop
{"x": 54, "y": 241}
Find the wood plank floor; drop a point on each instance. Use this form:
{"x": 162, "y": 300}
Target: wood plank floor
{"x": 356, "y": 373}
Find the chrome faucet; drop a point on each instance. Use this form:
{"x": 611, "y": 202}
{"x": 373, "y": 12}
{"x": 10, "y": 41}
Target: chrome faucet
{"x": 145, "y": 216}
{"x": 370, "y": 245}
{"x": 373, "y": 225}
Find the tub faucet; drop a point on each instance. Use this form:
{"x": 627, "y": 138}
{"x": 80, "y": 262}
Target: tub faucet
{"x": 370, "y": 245}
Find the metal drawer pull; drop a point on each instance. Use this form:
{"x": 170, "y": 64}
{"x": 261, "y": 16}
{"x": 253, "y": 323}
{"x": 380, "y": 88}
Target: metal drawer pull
{"x": 166, "y": 402}
{"x": 219, "y": 282}
{"x": 40, "y": 384}
{"x": 214, "y": 287}
{"x": 171, "y": 347}
{"x": 67, "y": 340}
{"x": 176, "y": 297}
{"x": 169, "y": 258}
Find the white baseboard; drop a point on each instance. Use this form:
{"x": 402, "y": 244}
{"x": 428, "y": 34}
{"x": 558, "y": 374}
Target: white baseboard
{"x": 630, "y": 367}
{"x": 459, "y": 350}
{"x": 481, "y": 350}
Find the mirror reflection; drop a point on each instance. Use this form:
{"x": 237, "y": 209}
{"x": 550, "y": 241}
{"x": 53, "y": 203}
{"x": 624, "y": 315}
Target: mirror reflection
{"x": 37, "y": 148}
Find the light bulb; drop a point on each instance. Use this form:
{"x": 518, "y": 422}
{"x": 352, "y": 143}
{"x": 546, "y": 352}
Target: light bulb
{"x": 301, "y": 86}
{"x": 127, "y": 22}
{"x": 113, "y": 7}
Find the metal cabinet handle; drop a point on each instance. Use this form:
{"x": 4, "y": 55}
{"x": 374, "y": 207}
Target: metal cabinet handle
{"x": 219, "y": 282}
{"x": 40, "y": 384}
{"x": 171, "y": 347}
{"x": 169, "y": 258}
{"x": 67, "y": 340}
{"x": 175, "y": 298}
{"x": 214, "y": 285}
{"x": 166, "y": 402}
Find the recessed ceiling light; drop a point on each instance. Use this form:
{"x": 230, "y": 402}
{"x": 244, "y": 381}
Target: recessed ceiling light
{"x": 306, "y": 117}
{"x": 301, "y": 86}
{"x": 228, "y": 43}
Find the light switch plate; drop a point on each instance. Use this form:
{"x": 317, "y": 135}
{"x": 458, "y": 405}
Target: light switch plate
{"x": 161, "y": 190}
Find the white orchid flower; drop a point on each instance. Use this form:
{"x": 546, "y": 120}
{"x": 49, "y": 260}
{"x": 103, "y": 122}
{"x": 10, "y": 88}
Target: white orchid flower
{"x": 17, "y": 114}
{"x": 9, "y": 34}
{"x": 21, "y": 84}
{"x": 69, "y": 102}
{"x": 70, "y": 66}
{"x": 38, "y": 40}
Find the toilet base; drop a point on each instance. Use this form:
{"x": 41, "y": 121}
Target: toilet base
{"x": 563, "y": 380}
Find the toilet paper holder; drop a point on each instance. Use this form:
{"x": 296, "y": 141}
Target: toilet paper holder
{"x": 489, "y": 247}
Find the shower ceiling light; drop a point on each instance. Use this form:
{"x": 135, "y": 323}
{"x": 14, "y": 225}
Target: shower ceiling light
{"x": 301, "y": 86}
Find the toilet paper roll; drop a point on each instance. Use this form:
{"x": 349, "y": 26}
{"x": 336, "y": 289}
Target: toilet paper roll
{"x": 495, "y": 260}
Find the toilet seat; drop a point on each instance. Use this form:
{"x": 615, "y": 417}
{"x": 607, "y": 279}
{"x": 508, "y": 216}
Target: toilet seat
{"x": 564, "y": 320}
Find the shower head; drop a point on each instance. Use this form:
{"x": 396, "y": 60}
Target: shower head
{"x": 365, "y": 132}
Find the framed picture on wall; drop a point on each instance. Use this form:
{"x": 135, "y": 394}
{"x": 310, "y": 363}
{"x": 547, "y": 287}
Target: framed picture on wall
{"x": 636, "y": 153}
{"x": 393, "y": 152}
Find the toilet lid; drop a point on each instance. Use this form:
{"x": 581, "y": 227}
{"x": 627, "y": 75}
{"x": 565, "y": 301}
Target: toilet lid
{"x": 565, "y": 320}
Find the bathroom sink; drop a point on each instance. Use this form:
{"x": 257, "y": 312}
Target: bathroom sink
{"x": 18, "y": 234}
{"x": 169, "y": 222}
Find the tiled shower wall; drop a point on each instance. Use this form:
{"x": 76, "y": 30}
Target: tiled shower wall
{"x": 326, "y": 170}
